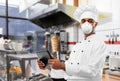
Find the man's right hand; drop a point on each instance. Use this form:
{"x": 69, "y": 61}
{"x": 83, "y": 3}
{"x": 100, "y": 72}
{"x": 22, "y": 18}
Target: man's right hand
{"x": 41, "y": 64}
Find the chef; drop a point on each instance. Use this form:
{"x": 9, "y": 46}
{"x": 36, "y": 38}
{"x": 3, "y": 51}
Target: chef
{"x": 88, "y": 56}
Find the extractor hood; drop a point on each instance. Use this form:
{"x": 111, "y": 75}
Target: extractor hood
{"x": 53, "y": 15}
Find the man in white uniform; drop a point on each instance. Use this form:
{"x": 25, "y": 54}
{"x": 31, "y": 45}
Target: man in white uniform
{"x": 87, "y": 57}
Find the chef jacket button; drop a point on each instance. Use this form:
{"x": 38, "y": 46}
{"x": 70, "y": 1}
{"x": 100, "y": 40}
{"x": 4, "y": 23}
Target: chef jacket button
{"x": 88, "y": 40}
{"x": 78, "y": 63}
{"x": 80, "y": 42}
{"x": 82, "y": 51}
{"x": 71, "y": 63}
{"x": 69, "y": 75}
{"x": 74, "y": 51}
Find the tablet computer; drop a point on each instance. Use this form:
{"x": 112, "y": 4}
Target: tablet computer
{"x": 44, "y": 56}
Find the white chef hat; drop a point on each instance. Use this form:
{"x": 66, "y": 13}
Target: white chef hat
{"x": 47, "y": 33}
{"x": 87, "y": 11}
{"x": 1, "y": 30}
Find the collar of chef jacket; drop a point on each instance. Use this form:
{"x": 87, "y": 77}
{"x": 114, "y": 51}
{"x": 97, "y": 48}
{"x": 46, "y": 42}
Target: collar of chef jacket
{"x": 91, "y": 37}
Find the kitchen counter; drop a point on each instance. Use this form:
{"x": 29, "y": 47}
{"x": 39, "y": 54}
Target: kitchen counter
{"x": 21, "y": 58}
{"x": 109, "y": 75}
{"x": 112, "y": 72}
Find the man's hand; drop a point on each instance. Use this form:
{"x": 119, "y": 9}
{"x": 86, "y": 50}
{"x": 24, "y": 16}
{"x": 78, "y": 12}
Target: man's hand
{"x": 56, "y": 64}
{"x": 41, "y": 64}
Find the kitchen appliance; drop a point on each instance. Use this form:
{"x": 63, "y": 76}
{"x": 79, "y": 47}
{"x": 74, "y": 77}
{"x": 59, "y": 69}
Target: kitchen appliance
{"x": 114, "y": 63}
{"x": 63, "y": 42}
{"x": 57, "y": 43}
{"x": 53, "y": 15}
{"x": 47, "y": 41}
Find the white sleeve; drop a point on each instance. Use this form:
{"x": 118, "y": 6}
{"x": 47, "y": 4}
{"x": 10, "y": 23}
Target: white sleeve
{"x": 94, "y": 66}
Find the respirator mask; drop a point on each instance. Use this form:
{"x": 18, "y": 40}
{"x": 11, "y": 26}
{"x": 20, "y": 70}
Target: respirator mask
{"x": 86, "y": 28}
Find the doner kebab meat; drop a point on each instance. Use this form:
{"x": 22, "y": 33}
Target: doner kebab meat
{"x": 55, "y": 43}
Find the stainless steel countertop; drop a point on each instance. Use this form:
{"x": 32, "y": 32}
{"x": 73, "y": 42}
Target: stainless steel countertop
{"x": 23, "y": 56}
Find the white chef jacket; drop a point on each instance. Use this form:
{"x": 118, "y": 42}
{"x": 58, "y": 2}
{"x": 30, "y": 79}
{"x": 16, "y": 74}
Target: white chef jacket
{"x": 57, "y": 74}
{"x": 86, "y": 60}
